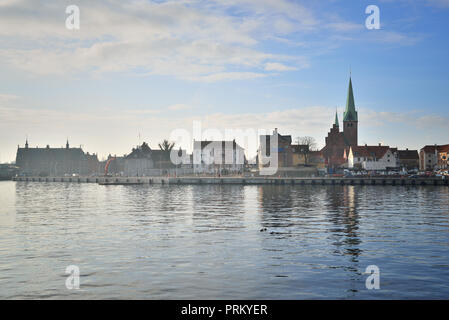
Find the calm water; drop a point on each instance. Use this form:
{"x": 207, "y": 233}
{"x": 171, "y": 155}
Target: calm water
{"x": 204, "y": 242}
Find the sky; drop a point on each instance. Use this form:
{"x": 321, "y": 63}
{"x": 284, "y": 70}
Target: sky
{"x": 143, "y": 70}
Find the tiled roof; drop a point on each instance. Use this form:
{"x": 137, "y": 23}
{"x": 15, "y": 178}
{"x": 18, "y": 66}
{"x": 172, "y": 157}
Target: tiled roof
{"x": 439, "y": 148}
{"x": 443, "y": 148}
{"x": 370, "y": 151}
{"x": 408, "y": 154}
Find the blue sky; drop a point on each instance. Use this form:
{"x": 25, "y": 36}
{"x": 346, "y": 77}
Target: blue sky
{"x": 150, "y": 67}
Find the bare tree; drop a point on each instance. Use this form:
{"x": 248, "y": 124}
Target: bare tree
{"x": 308, "y": 141}
{"x": 311, "y": 146}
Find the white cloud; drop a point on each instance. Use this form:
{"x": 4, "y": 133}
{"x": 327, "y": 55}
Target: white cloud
{"x": 188, "y": 40}
{"x": 179, "y": 106}
{"x": 191, "y": 40}
{"x": 7, "y": 97}
{"x": 275, "y": 66}
{"x": 114, "y": 130}
{"x": 227, "y": 76}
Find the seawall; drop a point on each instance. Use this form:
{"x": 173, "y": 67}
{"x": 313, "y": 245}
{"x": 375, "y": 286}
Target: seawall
{"x": 395, "y": 181}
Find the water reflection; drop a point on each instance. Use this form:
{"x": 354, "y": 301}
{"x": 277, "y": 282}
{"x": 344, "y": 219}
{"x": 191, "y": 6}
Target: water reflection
{"x": 342, "y": 211}
{"x": 203, "y": 241}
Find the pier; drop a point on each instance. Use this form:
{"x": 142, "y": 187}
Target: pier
{"x": 192, "y": 180}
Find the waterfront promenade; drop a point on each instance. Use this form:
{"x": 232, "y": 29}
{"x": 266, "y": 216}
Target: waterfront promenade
{"x": 193, "y": 180}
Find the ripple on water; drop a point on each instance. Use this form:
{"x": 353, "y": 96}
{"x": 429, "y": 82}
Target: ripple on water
{"x": 204, "y": 242}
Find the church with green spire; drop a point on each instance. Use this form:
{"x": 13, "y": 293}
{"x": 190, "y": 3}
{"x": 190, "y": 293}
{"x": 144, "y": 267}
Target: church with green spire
{"x": 335, "y": 151}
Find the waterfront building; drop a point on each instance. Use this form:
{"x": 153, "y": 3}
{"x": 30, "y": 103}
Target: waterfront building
{"x": 407, "y": 159}
{"x": 317, "y": 160}
{"x": 337, "y": 143}
{"x": 284, "y": 149}
{"x": 433, "y": 157}
{"x": 372, "y": 158}
{"x": 218, "y": 157}
{"x": 144, "y": 161}
{"x": 55, "y": 161}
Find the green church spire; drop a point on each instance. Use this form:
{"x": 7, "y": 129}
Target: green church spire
{"x": 336, "y": 119}
{"x": 350, "y": 114}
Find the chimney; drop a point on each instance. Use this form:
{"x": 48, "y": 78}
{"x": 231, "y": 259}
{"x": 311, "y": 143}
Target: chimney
{"x": 275, "y": 131}
{"x": 380, "y": 144}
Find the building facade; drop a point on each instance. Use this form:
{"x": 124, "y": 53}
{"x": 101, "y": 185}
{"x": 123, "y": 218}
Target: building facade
{"x": 218, "y": 157}
{"x": 55, "y": 161}
{"x": 300, "y": 155}
{"x": 144, "y": 161}
{"x": 433, "y": 157}
{"x": 372, "y": 158}
{"x": 408, "y": 159}
{"x": 281, "y": 148}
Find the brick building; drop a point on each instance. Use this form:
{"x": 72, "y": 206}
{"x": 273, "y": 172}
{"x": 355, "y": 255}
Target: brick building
{"x": 335, "y": 152}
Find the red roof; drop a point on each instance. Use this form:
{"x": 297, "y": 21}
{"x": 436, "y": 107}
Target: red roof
{"x": 431, "y": 148}
{"x": 370, "y": 151}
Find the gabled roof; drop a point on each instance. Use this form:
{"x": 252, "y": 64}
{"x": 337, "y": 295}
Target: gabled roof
{"x": 439, "y": 148}
{"x": 443, "y": 148}
{"x": 370, "y": 151}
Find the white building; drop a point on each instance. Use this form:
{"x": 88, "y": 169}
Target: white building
{"x": 372, "y": 158}
{"x": 218, "y": 157}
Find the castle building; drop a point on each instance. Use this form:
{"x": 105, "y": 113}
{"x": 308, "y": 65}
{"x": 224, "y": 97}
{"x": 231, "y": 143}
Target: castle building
{"x": 336, "y": 150}
{"x": 55, "y": 161}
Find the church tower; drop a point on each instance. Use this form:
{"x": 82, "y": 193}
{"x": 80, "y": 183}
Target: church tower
{"x": 350, "y": 119}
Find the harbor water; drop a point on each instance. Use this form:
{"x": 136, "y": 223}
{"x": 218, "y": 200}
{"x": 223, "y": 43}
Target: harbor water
{"x": 223, "y": 241}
